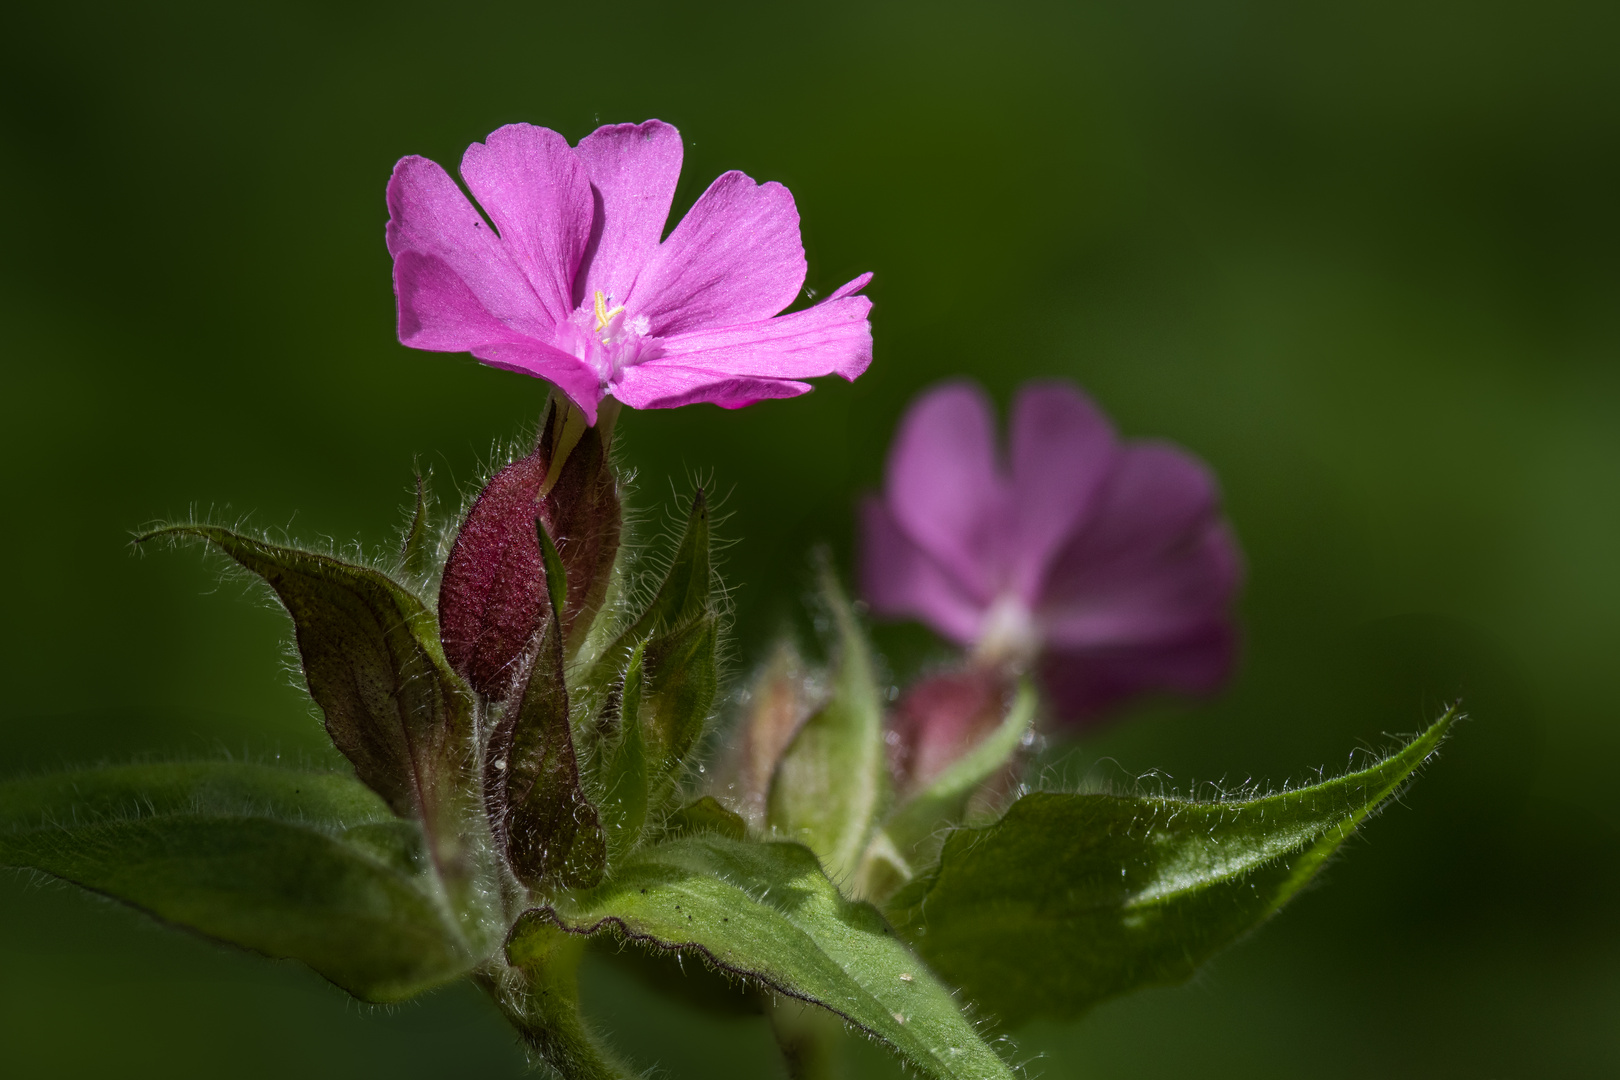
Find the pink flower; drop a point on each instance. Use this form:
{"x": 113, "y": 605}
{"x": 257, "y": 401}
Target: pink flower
{"x": 568, "y": 281}
{"x": 1105, "y": 565}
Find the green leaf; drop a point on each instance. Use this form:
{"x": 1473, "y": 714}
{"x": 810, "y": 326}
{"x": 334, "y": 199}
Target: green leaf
{"x": 687, "y": 588}
{"x": 685, "y": 596}
{"x": 832, "y": 780}
{"x": 768, "y": 913}
{"x": 681, "y": 680}
{"x": 372, "y": 659}
{"x": 622, "y": 776}
{"x": 550, "y": 828}
{"x": 1070, "y": 899}
{"x": 910, "y": 837}
{"x": 556, "y": 575}
{"x": 308, "y": 866}
{"x": 418, "y": 548}
{"x": 705, "y": 815}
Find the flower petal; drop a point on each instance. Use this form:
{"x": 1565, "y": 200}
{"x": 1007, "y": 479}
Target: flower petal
{"x": 735, "y": 258}
{"x": 942, "y": 486}
{"x": 465, "y": 281}
{"x": 834, "y": 337}
{"x": 567, "y": 373}
{"x": 633, "y": 170}
{"x": 1155, "y": 561}
{"x": 901, "y": 580}
{"x": 537, "y": 193}
{"x": 1081, "y": 683}
{"x": 1062, "y": 449}
{"x": 668, "y": 386}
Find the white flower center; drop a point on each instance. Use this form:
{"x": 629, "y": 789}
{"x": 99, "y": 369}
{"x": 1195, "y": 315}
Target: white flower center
{"x": 607, "y": 337}
{"x": 1008, "y": 634}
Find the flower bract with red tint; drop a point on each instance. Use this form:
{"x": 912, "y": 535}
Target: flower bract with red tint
{"x": 1104, "y": 564}
{"x": 565, "y": 274}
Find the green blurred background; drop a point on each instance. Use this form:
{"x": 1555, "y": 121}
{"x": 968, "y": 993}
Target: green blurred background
{"x": 1363, "y": 258}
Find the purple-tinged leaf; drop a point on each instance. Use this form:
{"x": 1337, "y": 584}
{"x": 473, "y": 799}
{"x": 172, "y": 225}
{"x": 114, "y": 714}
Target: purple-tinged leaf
{"x": 372, "y": 660}
{"x": 531, "y": 777}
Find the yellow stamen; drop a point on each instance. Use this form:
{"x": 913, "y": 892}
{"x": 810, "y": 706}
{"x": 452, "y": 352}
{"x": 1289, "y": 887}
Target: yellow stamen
{"x": 603, "y": 315}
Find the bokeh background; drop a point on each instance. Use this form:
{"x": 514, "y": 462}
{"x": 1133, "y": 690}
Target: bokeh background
{"x": 1363, "y": 258}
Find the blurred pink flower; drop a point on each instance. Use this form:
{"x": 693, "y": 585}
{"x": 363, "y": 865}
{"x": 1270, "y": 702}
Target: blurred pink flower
{"x": 573, "y": 285}
{"x": 1106, "y": 566}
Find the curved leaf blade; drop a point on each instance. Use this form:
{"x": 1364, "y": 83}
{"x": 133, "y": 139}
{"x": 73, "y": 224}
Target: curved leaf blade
{"x": 305, "y": 866}
{"x": 372, "y": 659}
{"x": 767, "y": 912}
{"x": 1070, "y": 899}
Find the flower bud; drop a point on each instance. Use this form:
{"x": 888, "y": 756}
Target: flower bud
{"x": 492, "y": 600}
{"x": 941, "y": 718}
{"x": 779, "y": 701}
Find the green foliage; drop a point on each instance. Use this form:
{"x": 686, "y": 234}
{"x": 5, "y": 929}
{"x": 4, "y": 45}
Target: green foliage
{"x": 417, "y": 549}
{"x": 1070, "y": 899}
{"x": 684, "y": 596}
{"x": 622, "y": 774}
{"x": 705, "y": 815}
{"x": 680, "y": 684}
{"x": 677, "y": 637}
{"x": 575, "y": 825}
{"x": 308, "y": 866}
{"x": 768, "y": 913}
{"x": 371, "y": 656}
{"x": 832, "y": 780}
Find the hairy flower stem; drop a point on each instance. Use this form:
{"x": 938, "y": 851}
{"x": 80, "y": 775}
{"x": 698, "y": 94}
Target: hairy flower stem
{"x": 540, "y": 996}
{"x": 809, "y": 1038}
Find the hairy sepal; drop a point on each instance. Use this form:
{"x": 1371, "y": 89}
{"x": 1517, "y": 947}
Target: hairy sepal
{"x": 551, "y": 831}
{"x": 768, "y": 913}
{"x": 1070, "y": 899}
{"x": 831, "y": 782}
{"x": 622, "y": 773}
{"x": 307, "y": 866}
{"x": 677, "y": 638}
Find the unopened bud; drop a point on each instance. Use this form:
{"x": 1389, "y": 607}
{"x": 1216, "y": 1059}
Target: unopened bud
{"x": 941, "y": 718}
{"x": 493, "y": 597}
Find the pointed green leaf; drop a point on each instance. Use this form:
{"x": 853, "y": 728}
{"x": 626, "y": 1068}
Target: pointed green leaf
{"x": 622, "y": 777}
{"x": 768, "y": 913}
{"x": 532, "y": 774}
{"x": 685, "y": 593}
{"x": 684, "y": 597}
{"x": 705, "y": 815}
{"x": 1071, "y": 899}
{"x": 681, "y": 680}
{"x": 308, "y": 866}
{"x": 910, "y": 837}
{"x": 372, "y": 659}
{"x": 417, "y": 551}
{"x": 556, "y": 575}
{"x": 832, "y": 781}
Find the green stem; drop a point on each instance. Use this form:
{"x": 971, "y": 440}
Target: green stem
{"x": 539, "y": 993}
